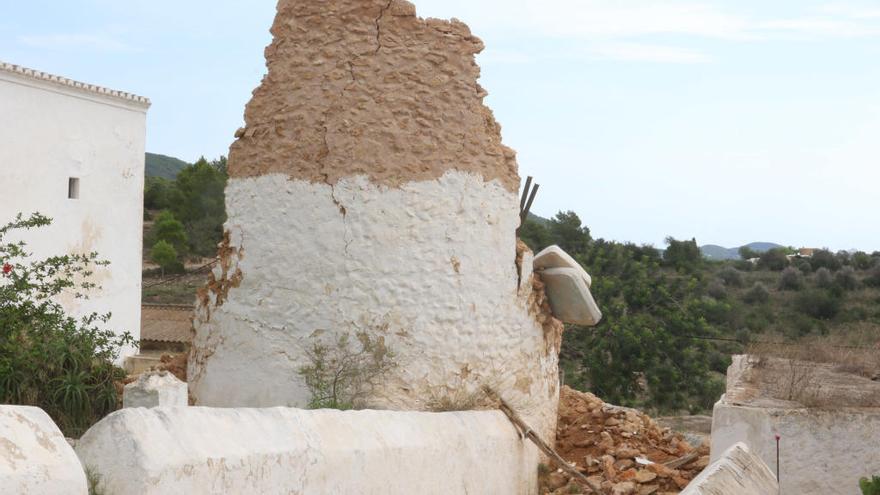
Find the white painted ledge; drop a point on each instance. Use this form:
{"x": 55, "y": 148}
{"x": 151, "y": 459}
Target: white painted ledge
{"x": 35, "y": 459}
{"x": 736, "y": 472}
{"x": 196, "y": 450}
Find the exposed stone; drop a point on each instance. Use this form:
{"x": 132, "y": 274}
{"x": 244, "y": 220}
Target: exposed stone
{"x": 556, "y": 480}
{"x": 644, "y": 476}
{"x": 623, "y": 488}
{"x": 570, "y": 296}
{"x": 155, "y": 389}
{"x": 35, "y": 458}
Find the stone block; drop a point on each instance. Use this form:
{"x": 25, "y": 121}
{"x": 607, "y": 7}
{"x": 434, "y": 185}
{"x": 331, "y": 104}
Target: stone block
{"x": 555, "y": 257}
{"x": 736, "y": 472}
{"x": 155, "y": 389}
{"x": 198, "y": 450}
{"x": 35, "y": 459}
{"x": 570, "y": 297}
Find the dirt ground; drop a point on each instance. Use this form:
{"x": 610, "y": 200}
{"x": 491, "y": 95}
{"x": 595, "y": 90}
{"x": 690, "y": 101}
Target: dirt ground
{"x": 622, "y": 450}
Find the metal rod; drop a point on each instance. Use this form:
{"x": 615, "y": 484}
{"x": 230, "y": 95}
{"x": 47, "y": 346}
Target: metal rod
{"x": 525, "y": 212}
{"x": 525, "y": 193}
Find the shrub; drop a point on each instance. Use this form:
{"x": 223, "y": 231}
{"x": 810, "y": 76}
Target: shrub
{"x": 861, "y": 260}
{"x": 818, "y": 303}
{"x": 873, "y": 278}
{"x": 791, "y": 279}
{"x": 341, "y": 376}
{"x": 758, "y": 294}
{"x": 823, "y": 278}
{"x": 805, "y": 267}
{"x": 870, "y": 487}
{"x": 717, "y": 290}
{"x": 822, "y": 258}
{"x": 731, "y": 276}
{"x": 169, "y": 229}
{"x": 846, "y": 278}
{"x": 774, "y": 259}
{"x": 47, "y": 358}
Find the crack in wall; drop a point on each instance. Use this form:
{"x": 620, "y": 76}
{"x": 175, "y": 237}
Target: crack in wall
{"x": 379, "y": 28}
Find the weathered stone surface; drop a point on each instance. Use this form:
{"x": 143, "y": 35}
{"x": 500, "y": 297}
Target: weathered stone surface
{"x": 155, "y": 389}
{"x": 555, "y": 257}
{"x": 821, "y": 450}
{"x": 35, "y": 458}
{"x": 364, "y": 87}
{"x": 570, "y": 297}
{"x": 197, "y": 450}
{"x": 370, "y": 192}
{"x": 737, "y": 472}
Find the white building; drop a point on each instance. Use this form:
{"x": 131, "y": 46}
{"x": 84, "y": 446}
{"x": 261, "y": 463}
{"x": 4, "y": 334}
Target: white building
{"x": 75, "y": 152}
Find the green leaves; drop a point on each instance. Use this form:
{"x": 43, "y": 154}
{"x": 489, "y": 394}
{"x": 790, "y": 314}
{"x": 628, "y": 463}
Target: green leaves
{"x": 49, "y": 359}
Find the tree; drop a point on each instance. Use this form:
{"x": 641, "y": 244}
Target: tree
{"x": 748, "y": 253}
{"x": 758, "y": 294}
{"x": 169, "y": 229}
{"x": 683, "y": 255}
{"x": 567, "y": 232}
{"x": 823, "y": 258}
{"x": 164, "y": 255}
{"x": 791, "y": 279}
{"x": 731, "y": 276}
{"x": 49, "y": 359}
{"x": 773, "y": 259}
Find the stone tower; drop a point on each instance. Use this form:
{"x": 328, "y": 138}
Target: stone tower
{"x": 370, "y": 192}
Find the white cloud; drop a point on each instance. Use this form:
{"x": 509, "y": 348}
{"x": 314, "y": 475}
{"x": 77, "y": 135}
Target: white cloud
{"x": 96, "y": 42}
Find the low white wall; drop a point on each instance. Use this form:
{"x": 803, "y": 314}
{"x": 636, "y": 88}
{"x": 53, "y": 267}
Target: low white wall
{"x": 196, "y": 450}
{"x": 737, "y": 472}
{"x": 35, "y": 459}
{"x": 821, "y": 451}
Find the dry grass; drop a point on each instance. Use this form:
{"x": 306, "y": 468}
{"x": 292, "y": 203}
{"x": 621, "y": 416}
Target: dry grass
{"x": 857, "y": 353}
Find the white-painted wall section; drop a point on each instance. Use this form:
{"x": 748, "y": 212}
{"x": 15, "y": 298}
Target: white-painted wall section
{"x": 427, "y": 266}
{"x": 196, "y": 450}
{"x": 53, "y": 129}
{"x": 821, "y": 451}
{"x": 35, "y": 459}
{"x": 736, "y": 472}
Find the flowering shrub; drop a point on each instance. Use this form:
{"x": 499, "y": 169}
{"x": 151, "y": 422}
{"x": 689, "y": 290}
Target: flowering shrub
{"x": 49, "y": 359}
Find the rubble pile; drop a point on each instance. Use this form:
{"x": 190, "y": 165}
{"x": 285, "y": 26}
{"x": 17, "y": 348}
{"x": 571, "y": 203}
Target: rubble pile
{"x": 622, "y": 450}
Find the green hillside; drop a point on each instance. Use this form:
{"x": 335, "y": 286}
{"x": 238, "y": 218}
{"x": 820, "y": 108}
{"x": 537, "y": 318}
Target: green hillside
{"x": 163, "y": 166}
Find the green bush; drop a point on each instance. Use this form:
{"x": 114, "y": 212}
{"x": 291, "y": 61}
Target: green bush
{"x": 791, "y": 279}
{"x": 774, "y": 259}
{"x": 758, "y": 294}
{"x": 818, "y": 303}
{"x": 873, "y": 278}
{"x": 169, "y": 229}
{"x": 823, "y": 278}
{"x": 164, "y": 255}
{"x": 731, "y": 276}
{"x": 870, "y": 486}
{"x": 846, "y": 279}
{"x": 717, "y": 289}
{"x": 823, "y": 258}
{"x": 47, "y": 358}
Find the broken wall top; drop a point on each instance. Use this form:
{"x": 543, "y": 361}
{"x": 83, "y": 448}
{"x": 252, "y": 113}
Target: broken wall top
{"x": 364, "y": 87}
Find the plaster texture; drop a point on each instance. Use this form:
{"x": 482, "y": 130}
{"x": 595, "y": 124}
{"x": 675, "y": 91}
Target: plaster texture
{"x": 736, "y": 472}
{"x": 35, "y": 459}
{"x": 198, "y": 450}
{"x": 54, "y": 129}
{"x": 821, "y": 450}
{"x": 155, "y": 389}
{"x": 427, "y": 267}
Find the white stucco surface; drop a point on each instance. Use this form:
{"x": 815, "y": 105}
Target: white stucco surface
{"x": 54, "y": 129}
{"x": 155, "y": 389}
{"x": 821, "y": 451}
{"x": 197, "y": 450}
{"x": 35, "y": 459}
{"x": 429, "y": 267}
{"x": 736, "y": 472}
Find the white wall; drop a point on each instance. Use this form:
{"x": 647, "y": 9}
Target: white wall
{"x": 195, "y": 450}
{"x": 50, "y": 131}
{"x": 736, "y": 472}
{"x": 821, "y": 451}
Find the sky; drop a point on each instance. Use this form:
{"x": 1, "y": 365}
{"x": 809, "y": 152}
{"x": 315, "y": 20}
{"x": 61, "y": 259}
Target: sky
{"x": 729, "y": 122}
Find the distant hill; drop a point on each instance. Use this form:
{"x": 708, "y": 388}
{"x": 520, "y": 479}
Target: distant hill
{"x": 715, "y": 252}
{"x": 163, "y": 166}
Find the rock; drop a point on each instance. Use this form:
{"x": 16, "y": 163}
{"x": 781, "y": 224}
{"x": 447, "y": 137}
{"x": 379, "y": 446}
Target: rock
{"x": 648, "y": 489}
{"x": 612, "y": 422}
{"x": 680, "y": 482}
{"x": 35, "y": 459}
{"x": 700, "y": 463}
{"x": 645, "y": 476}
{"x": 608, "y": 467}
{"x": 556, "y": 480}
{"x": 623, "y": 488}
{"x": 623, "y": 464}
{"x": 606, "y": 442}
{"x": 155, "y": 389}
{"x": 662, "y": 471}
{"x": 625, "y": 452}
{"x": 627, "y": 475}
{"x": 567, "y": 286}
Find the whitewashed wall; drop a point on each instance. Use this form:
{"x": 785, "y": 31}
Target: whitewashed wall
{"x": 821, "y": 451}
{"x": 428, "y": 267}
{"x": 197, "y": 450}
{"x": 54, "y": 129}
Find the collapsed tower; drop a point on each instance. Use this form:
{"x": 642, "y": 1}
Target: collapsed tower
{"x": 370, "y": 192}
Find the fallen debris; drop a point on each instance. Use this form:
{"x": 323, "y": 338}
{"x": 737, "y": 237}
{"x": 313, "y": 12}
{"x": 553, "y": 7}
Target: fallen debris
{"x": 621, "y": 450}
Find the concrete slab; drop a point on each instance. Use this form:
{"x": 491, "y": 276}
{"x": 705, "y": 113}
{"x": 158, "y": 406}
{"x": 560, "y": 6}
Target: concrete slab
{"x": 155, "y": 389}
{"x": 570, "y": 296}
{"x": 35, "y": 459}
{"x": 737, "y": 472}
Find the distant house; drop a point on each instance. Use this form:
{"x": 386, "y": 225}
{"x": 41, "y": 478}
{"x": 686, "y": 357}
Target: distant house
{"x": 75, "y": 152}
{"x": 806, "y": 252}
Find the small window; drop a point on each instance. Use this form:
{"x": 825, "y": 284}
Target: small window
{"x": 73, "y": 188}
